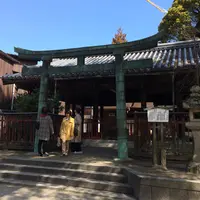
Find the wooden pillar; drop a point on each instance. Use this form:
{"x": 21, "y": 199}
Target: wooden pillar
{"x": 179, "y": 102}
{"x": 143, "y": 97}
{"x": 55, "y": 93}
{"x": 43, "y": 92}
{"x": 82, "y": 117}
{"x": 173, "y": 92}
{"x": 13, "y": 96}
{"x": 95, "y": 119}
{"x": 101, "y": 120}
{"x": 95, "y": 109}
{"x": 122, "y": 134}
{"x": 101, "y": 112}
{"x": 143, "y": 129}
{"x": 67, "y": 106}
{"x": 73, "y": 109}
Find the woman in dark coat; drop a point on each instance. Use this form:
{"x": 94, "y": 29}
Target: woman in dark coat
{"x": 77, "y": 132}
{"x": 44, "y": 131}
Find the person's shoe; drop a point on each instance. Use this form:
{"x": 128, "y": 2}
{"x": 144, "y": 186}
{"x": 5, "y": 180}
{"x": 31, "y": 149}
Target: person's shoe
{"x": 64, "y": 154}
{"x": 46, "y": 154}
{"x": 40, "y": 154}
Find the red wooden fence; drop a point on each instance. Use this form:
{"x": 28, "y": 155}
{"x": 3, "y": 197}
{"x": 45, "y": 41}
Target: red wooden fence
{"x": 17, "y": 130}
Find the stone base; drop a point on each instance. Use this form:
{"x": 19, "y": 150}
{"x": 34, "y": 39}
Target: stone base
{"x": 124, "y": 160}
{"x": 104, "y": 143}
{"x": 160, "y": 167}
{"x": 194, "y": 168}
{"x": 152, "y": 186}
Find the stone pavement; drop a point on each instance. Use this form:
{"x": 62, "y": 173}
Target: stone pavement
{"x": 101, "y": 156}
{"x": 90, "y": 155}
{"x": 13, "y": 192}
{"x": 106, "y": 156}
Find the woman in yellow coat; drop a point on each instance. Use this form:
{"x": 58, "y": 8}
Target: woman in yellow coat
{"x": 66, "y": 132}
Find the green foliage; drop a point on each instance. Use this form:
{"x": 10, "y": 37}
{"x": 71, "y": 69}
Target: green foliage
{"x": 119, "y": 38}
{"x": 28, "y": 102}
{"x": 182, "y": 21}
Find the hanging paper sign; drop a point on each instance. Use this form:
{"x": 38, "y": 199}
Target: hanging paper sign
{"x": 158, "y": 115}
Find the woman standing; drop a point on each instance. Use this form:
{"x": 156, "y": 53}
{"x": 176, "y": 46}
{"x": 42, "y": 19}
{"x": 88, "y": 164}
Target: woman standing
{"x": 77, "y": 131}
{"x": 44, "y": 131}
{"x": 66, "y": 132}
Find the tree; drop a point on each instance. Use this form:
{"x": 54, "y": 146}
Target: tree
{"x": 28, "y": 102}
{"x": 119, "y": 38}
{"x": 182, "y": 21}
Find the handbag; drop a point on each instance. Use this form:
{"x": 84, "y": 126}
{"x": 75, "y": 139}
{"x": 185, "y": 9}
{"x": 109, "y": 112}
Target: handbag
{"x": 37, "y": 125}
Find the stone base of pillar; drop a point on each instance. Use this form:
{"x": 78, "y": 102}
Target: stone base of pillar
{"x": 122, "y": 148}
{"x": 194, "y": 168}
{"x": 194, "y": 165}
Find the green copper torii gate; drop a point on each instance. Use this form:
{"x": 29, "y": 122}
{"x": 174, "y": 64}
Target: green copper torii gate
{"x": 42, "y": 101}
{"x": 118, "y": 69}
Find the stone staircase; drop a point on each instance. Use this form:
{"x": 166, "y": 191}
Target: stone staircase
{"x": 106, "y": 181}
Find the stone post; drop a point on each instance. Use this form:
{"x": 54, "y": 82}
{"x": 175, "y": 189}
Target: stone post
{"x": 154, "y": 147}
{"x": 193, "y": 105}
{"x": 43, "y": 93}
{"x": 122, "y": 135}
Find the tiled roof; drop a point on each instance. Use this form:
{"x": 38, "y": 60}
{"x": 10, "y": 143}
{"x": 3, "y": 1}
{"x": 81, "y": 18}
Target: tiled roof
{"x": 178, "y": 54}
{"x": 167, "y": 55}
{"x": 9, "y": 57}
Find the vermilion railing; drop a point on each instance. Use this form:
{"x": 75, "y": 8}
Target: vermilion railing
{"x": 17, "y": 131}
{"x": 92, "y": 130}
{"x": 177, "y": 138}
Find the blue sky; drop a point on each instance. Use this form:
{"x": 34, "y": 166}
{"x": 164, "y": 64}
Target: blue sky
{"x": 58, "y": 24}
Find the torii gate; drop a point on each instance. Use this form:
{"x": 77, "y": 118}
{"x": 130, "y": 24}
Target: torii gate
{"x": 118, "y": 69}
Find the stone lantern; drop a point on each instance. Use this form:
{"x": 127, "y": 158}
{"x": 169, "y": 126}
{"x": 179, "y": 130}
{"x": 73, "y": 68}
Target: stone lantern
{"x": 193, "y": 105}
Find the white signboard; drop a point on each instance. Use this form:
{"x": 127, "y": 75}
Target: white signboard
{"x": 158, "y": 115}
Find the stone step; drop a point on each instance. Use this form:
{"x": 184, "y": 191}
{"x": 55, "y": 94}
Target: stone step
{"x": 49, "y": 190}
{"x": 63, "y": 164}
{"x": 68, "y": 181}
{"x": 106, "y": 176}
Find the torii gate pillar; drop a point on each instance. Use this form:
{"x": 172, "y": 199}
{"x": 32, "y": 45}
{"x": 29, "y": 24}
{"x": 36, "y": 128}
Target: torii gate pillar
{"x": 44, "y": 79}
{"x": 122, "y": 134}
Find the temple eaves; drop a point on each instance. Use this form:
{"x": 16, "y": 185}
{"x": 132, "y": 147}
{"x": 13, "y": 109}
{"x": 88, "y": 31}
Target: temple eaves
{"x": 137, "y": 45}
